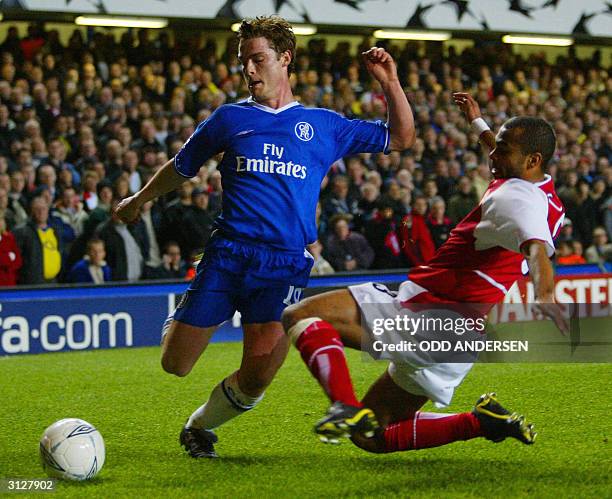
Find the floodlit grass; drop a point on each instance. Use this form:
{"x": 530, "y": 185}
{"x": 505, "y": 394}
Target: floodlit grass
{"x": 272, "y": 451}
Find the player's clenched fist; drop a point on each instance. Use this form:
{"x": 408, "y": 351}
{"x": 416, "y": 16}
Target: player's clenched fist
{"x": 380, "y": 64}
{"x": 128, "y": 209}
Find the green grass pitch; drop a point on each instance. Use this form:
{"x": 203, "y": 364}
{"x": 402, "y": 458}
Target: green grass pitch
{"x": 272, "y": 451}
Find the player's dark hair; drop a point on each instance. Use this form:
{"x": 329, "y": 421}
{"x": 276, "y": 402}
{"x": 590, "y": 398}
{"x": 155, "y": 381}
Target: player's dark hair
{"x": 274, "y": 29}
{"x": 536, "y": 136}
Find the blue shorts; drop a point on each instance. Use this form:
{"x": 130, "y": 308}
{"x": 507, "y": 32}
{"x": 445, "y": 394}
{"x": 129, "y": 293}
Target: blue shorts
{"x": 253, "y": 279}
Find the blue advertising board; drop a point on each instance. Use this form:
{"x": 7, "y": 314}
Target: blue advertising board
{"x": 79, "y": 319}
{"x": 82, "y": 318}
{"x": 85, "y": 318}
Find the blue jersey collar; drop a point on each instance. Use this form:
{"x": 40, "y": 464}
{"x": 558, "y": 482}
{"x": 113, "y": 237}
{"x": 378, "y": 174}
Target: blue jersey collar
{"x": 271, "y": 110}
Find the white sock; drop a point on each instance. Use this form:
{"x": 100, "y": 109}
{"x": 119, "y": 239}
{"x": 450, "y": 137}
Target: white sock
{"x": 226, "y": 402}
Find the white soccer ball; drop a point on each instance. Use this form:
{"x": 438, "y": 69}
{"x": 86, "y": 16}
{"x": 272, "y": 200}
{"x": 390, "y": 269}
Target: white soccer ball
{"x": 72, "y": 449}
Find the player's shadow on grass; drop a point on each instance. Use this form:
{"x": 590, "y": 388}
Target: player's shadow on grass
{"x": 400, "y": 474}
{"x": 431, "y": 473}
{"x": 438, "y": 474}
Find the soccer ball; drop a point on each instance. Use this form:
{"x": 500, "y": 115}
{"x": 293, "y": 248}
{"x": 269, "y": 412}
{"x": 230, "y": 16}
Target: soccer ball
{"x": 72, "y": 449}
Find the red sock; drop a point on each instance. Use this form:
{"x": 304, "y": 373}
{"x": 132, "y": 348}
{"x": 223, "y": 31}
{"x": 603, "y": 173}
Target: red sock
{"x": 428, "y": 429}
{"x": 323, "y": 353}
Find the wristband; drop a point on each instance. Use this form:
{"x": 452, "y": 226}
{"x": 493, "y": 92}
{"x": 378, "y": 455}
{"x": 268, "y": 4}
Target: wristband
{"x": 480, "y": 126}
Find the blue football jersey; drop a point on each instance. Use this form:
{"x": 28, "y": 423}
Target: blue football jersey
{"x": 273, "y": 164}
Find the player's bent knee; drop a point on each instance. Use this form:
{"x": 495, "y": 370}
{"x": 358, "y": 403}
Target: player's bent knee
{"x": 291, "y": 315}
{"x": 295, "y": 319}
{"x": 173, "y": 366}
{"x": 296, "y": 330}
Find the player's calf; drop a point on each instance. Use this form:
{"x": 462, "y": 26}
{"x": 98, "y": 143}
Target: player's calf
{"x": 424, "y": 430}
{"x": 264, "y": 351}
{"x": 182, "y": 346}
{"x": 322, "y": 351}
{"x": 375, "y": 444}
{"x": 320, "y": 327}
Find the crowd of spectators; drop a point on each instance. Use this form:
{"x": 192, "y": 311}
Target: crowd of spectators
{"x": 84, "y": 125}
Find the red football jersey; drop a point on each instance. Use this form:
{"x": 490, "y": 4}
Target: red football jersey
{"x": 481, "y": 259}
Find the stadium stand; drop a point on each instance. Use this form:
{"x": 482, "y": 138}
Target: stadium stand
{"x": 86, "y": 124}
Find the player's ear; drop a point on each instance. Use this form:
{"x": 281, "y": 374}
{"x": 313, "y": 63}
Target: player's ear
{"x": 534, "y": 160}
{"x": 285, "y": 58}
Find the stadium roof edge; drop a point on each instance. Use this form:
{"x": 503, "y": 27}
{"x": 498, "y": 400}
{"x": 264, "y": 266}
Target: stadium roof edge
{"x": 13, "y": 15}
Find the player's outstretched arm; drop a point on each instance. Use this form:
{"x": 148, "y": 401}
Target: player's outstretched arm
{"x": 165, "y": 180}
{"x": 381, "y": 66}
{"x": 542, "y": 275}
{"x": 471, "y": 109}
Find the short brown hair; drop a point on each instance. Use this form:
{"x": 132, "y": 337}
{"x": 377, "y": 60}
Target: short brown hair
{"x": 275, "y": 29}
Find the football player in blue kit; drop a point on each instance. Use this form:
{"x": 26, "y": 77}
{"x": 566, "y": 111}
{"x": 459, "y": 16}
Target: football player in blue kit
{"x": 276, "y": 153}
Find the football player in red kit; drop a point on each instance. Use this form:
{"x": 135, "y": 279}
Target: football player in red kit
{"x": 508, "y": 234}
